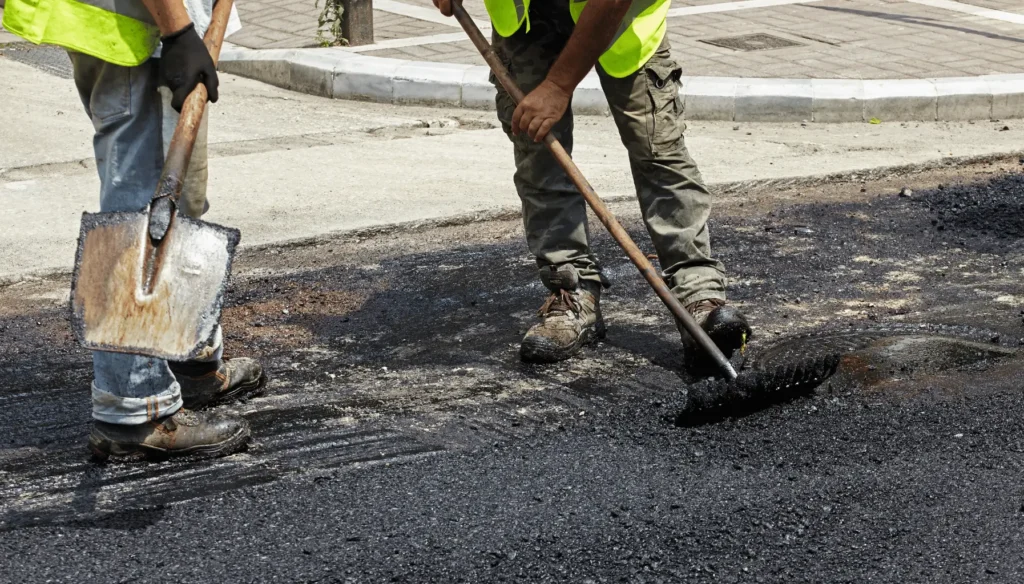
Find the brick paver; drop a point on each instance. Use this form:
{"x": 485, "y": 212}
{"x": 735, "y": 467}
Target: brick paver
{"x": 854, "y": 39}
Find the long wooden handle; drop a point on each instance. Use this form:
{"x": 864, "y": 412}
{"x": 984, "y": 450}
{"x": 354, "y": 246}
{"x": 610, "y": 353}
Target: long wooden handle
{"x": 179, "y": 153}
{"x": 590, "y": 195}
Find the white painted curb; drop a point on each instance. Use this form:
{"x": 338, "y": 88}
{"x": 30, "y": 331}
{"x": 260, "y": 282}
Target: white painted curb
{"x": 345, "y": 75}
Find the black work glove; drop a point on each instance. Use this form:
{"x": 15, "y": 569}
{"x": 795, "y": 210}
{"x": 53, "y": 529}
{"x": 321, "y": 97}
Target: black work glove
{"x": 185, "y": 63}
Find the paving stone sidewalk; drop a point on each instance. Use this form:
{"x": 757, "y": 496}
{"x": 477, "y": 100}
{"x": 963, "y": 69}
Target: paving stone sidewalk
{"x": 841, "y": 39}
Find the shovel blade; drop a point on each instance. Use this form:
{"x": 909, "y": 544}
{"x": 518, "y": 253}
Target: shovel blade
{"x": 175, "y": 316}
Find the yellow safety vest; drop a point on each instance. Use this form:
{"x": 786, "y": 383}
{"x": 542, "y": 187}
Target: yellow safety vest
{"x": 637, "y": 39}
{"x": 121, "y": 32}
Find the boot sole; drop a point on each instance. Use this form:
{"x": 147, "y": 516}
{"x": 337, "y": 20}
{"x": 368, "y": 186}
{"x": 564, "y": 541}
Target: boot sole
{"x": 540, "y": 350}
{"x": 727, "y": 339}
{"x": 127, "y": 453}
{"x": 242, "y": 391}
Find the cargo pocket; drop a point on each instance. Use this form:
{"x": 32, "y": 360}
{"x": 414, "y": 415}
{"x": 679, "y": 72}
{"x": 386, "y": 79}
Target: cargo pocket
{"x": 105, "y": 88}
{"x": 665, "y": 114}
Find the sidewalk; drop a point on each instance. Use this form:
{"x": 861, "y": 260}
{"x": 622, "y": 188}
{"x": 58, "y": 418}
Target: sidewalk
{"x": 743, "y": 60}
{"x": 749, "y": 60}
{"x": 827, "y": 39}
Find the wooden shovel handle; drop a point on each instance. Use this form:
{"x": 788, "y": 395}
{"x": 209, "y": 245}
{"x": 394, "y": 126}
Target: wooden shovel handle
{"x": 590, "y": 195}
{"x": 179, "y": 153}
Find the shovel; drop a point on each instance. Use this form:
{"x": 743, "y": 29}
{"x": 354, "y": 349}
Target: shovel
{"x": 152, "y": 282}
{"x": 596, "y": 204}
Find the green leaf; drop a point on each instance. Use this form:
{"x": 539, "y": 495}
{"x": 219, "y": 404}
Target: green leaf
{"x": 329, "y": 23}
{"x": 875, "y": 121}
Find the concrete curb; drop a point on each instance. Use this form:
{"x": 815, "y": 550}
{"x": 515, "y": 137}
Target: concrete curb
{"x": 341, "y": 74}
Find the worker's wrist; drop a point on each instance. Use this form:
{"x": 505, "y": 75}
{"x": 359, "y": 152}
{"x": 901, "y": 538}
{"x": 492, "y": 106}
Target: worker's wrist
{"x": 177, "y": 33}
{"x": 173, "y": 26}
{"x": 565, "y": 85}
{"x": 170, "y": 15}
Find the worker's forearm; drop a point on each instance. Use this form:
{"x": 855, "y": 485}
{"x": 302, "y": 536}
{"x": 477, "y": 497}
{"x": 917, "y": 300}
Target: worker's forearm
{"x": 170, "y": 15}
{"x": 593, "y": 35}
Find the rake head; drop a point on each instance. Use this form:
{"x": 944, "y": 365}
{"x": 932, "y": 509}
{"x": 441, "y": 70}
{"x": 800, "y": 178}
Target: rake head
{"x": 712, "y": 400}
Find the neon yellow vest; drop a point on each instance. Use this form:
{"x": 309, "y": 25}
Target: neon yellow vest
{"x": 121, "y": 32}
{"x": 638, "y": 38}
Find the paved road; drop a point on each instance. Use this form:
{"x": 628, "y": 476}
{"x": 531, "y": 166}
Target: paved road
{"x": 403, "y": 441}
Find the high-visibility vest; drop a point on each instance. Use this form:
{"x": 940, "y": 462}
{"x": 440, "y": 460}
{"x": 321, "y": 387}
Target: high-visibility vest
{"x": 636, "y": 41}
{"x": 121, "y": 32}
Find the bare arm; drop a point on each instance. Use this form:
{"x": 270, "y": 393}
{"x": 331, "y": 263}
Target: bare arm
{"x": 593, "y": 35}
{"x": 598, "y": 23}
{"x": 170, "y": 15}
{"x": 545, "y": 105}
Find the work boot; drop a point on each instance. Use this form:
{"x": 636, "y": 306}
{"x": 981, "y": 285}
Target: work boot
{"x": 725, "y": 324}
{"x": 206, "y": 384}
{"x": 182, "y": 434}
{"x": 570, "y": 318}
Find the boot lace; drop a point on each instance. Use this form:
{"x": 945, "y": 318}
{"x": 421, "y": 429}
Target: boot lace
{"x": 704, "y": 306}
{"x": 560, "y": 302}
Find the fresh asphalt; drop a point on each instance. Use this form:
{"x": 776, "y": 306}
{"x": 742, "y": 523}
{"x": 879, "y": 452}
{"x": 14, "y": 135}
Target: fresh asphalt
{"x": 402, "y": 440}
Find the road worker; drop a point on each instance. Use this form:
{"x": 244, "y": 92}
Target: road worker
{"x": 549, "y": 46}
{"x": 134, "y": 63}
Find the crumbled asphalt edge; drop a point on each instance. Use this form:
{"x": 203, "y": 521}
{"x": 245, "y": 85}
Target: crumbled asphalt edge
{"x": 737, "y": 188}
{"x": 980, "y": 219}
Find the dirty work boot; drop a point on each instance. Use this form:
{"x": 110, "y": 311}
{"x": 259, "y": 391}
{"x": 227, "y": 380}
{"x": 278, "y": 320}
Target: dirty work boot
{"x": 570, "y": 318}
{"x": 205, "y": 384}
{"x": 182, "y": 434}
{"x": 726, "y": 326}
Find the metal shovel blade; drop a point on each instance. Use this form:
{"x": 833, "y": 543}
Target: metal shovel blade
{"x": 131, "y": 296}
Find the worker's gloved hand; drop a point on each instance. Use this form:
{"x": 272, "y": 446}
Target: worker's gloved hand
{"x": 540, "y": 110}
{"x": 184, "y": 64}
{"x": 445, "y": 6}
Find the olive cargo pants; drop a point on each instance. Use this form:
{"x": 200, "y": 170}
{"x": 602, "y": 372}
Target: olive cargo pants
{"x": 648, "y": 112}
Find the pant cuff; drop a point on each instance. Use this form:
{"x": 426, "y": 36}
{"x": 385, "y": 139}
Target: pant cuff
{"x": 113, "y": 409}
{"x": 689, "y": 298}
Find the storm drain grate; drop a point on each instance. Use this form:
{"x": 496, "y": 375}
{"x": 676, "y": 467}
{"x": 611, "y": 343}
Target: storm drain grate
{"x": 52, "y": 60}
{"x": 752, "y": 42}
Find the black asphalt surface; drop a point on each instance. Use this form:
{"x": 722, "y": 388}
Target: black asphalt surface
{"x": 402, "y": 440}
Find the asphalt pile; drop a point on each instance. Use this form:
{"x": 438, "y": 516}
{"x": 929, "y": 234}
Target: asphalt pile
{"x": 987, "y": 218}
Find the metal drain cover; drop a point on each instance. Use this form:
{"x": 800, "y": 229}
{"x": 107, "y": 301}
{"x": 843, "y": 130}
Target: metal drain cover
{"x": 52, "y": 60}
{"x": 752, "y": 42}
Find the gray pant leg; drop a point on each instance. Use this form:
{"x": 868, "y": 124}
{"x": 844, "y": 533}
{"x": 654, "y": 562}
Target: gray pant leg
{"x": 674, "y": 201}
{"x": 125, "y": 109}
